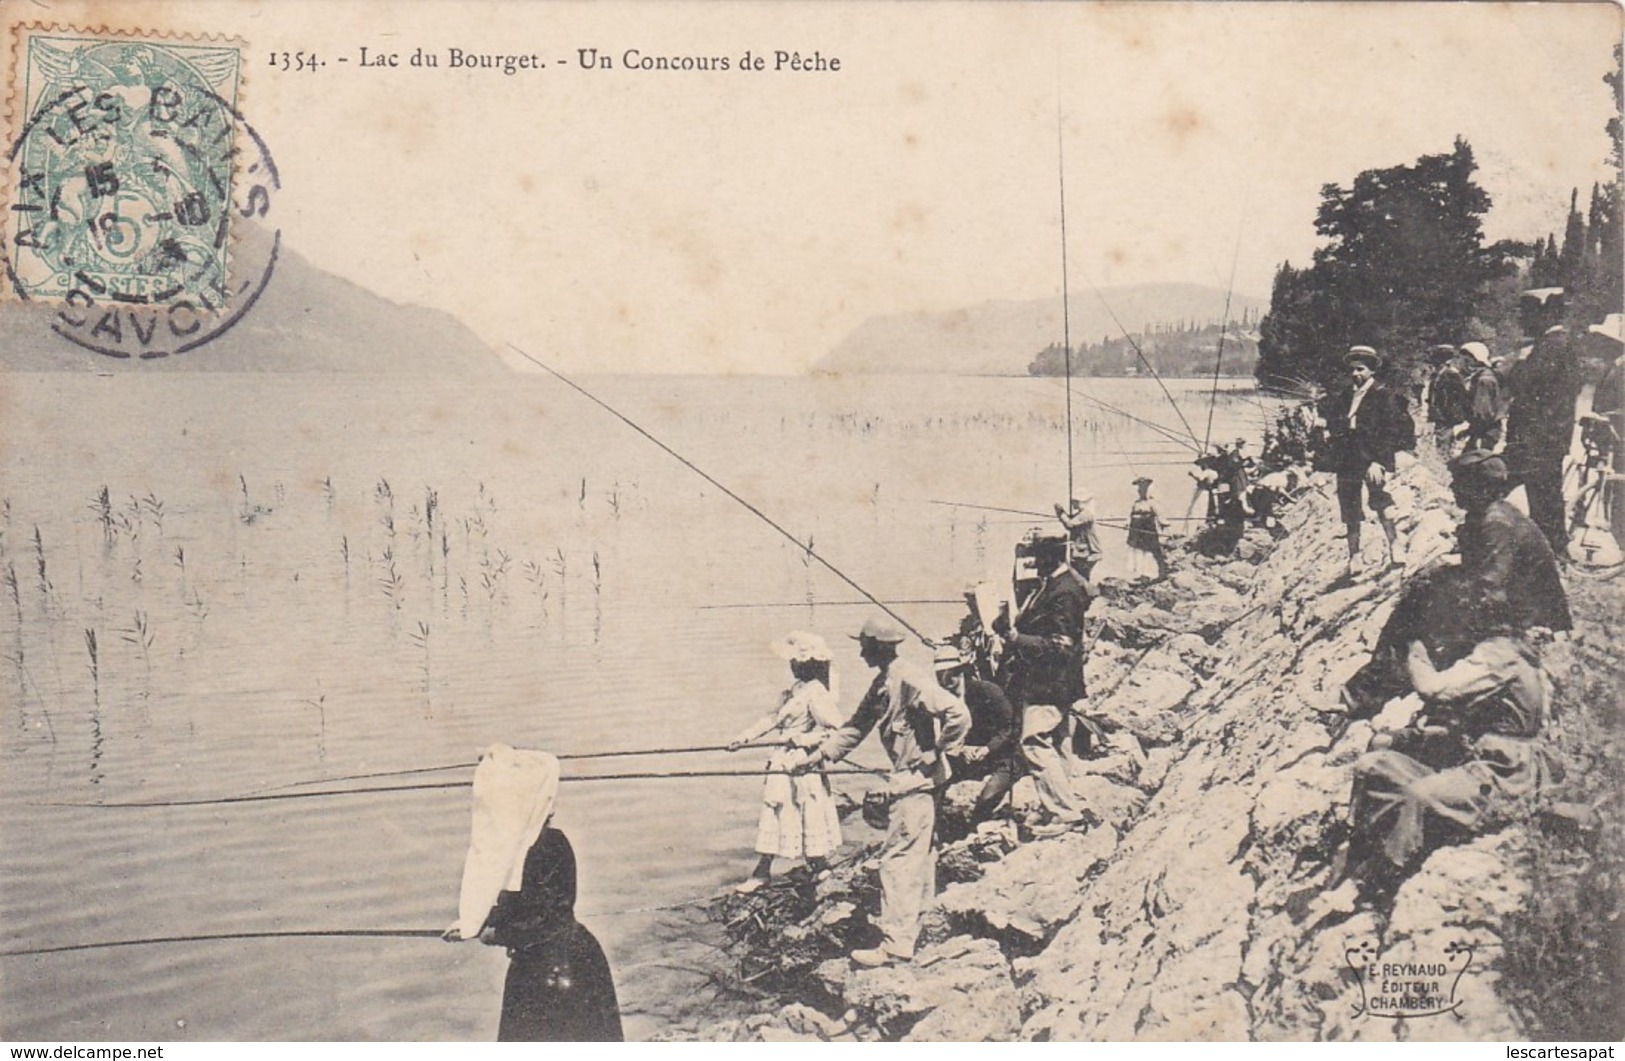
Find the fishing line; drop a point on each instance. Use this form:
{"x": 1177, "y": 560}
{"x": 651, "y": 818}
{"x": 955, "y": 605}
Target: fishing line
{"x": 1141, "y": 355}
{"x": 697, "y": 470}
{"x": 435, "y": 786}
{"x": 1167, "y": 432}
{"x": 1224, "y": 326}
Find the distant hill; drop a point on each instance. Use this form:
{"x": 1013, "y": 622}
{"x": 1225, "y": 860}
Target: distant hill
{"x": 306, "y": 320}
{"x": 1002, "y": 338}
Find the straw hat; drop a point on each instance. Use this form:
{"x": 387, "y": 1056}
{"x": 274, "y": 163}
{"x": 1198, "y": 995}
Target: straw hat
{"x": 800, "y": 646}
{"x": 1477, "y": 351}
{"x": 879, "y": 630}
{"x": 948, "y": 657}
{"x": 1363, "y": 355}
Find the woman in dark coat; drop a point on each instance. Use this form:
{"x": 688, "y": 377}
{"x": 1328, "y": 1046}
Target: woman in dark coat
{"x": 558, "y": 987}
{"x": 519, "y": 892}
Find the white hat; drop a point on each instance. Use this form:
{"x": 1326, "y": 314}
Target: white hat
{"x": 1612, "y": 327}
{"x": 1477, "y": 351}
{"x": 800, "y": 646}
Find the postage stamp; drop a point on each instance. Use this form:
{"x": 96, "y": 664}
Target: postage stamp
{"x": 128, "y": 165}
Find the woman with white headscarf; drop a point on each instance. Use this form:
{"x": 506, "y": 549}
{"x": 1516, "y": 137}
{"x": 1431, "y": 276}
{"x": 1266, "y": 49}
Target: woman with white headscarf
{"x": 519, "y": 892}
{"x": 799, "y": 819}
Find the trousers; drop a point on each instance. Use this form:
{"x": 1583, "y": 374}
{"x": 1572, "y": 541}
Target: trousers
{"x": 908, "y": 870}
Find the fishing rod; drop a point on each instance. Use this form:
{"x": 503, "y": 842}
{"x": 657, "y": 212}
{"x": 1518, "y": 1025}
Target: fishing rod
{"x": 325, "y": 933}
{"x": 470, "y": 765}
{"x": 818, "y": 604}
{"x": 1224, "y": 327}
{"x": 1066, "y": 301}
{"x": 1166, "y": 393}
{"x": 1169, "y": 433}
{"x": 697, "y": 470}
{"x": 438, "y": 785}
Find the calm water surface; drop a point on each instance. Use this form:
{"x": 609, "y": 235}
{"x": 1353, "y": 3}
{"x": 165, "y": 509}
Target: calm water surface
{"x": 296, "y": 578}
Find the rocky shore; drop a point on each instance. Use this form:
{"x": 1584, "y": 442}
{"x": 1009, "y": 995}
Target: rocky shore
{"x": 1199, "y": 908}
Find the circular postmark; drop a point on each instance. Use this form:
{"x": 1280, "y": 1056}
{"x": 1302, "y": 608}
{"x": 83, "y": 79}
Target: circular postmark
{"x": 128, "y": 178}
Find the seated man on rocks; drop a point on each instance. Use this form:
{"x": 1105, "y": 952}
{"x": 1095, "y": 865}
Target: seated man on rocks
{"x": 1507, "y": 580}
{"x": 1467, "y": 761}
{"x": 1461, "y": 641}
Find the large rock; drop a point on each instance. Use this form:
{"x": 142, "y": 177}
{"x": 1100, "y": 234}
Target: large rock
{"x": 956, "y": 991}
{"x": 1033, "y": 890}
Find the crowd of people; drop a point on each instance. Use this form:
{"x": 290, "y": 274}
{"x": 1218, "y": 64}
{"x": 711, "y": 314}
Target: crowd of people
{"x": 1008, "y": 698}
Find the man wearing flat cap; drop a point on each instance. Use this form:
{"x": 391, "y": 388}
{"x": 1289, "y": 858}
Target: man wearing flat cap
{"x": 1543, "y": 387}
{"x": 1366, "y": 430}
{"x": 920, "y": 725}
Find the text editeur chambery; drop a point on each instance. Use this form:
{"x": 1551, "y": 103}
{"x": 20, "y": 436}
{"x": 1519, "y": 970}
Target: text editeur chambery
{"x": 787, "y": 61}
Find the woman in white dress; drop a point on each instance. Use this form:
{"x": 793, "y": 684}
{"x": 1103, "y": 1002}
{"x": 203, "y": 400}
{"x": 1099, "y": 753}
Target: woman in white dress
{"x": 799, "y": 819}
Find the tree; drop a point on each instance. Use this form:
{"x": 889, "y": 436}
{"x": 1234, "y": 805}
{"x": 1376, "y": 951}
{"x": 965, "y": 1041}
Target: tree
{"x": 1405, "y": 266}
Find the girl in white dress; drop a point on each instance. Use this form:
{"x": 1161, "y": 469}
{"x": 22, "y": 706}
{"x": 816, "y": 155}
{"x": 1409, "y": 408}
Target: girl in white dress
{"x": 799, "y": 819}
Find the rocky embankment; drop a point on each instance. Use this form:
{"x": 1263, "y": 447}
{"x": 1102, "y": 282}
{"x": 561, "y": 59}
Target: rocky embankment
{"x": 1200, "y": 907}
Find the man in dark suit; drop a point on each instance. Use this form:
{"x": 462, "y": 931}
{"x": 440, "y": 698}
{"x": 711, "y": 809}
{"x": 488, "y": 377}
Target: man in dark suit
{"x": 1045, "y": 656}
{"x": 1366, "y": 430}
{"x": 1544, "y": 385}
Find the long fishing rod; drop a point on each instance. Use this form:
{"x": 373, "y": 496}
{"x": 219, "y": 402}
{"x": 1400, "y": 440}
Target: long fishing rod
{"x": 1167, "y": 432}
{"x": 438, "y": 785}
{"x": 1166, "y": 393}
{"x": 697, "y": 470}
{"x": 326, "y": 933}
{"x": 1066, "y": 301}
{"x": 1224, "y": 327}
{"x": 578, "y": 756}
{"x": 819, "y": 604}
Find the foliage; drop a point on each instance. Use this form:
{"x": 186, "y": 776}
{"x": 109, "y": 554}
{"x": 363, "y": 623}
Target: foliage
{"x": 1183, "y": 350}
{"x": 1405, "y": 266}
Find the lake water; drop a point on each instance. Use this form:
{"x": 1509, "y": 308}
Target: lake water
{"x": 302, "y": 577}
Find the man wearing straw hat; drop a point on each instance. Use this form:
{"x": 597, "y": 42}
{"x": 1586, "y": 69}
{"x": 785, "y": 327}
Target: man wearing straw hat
{"x": 920, "y": 725}
{"x": 1365, "y": 432}
{"x": 1484, "y": 406}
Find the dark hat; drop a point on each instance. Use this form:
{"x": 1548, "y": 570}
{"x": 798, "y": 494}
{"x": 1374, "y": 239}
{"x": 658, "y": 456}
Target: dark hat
{"x": 875, "y": 629}
{"x": 1363, "y": 355}
{"x": 1144, "y": 480}
{"x": 1478, "y": 466}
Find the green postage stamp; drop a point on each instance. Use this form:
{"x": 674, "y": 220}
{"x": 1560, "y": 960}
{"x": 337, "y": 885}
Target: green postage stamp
{"x": 126, "y": 166}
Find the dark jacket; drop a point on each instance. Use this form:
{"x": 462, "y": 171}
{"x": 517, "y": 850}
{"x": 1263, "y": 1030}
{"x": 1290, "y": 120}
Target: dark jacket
{"x": 1511, "y": 572}
{"x": 1381, "y": 428}
{"x": 992, "y": 719}
{"x": 1046, "y": 648}
{"x": 1447, "y": 397}
{"x": 559, "y": 987}
{"x": 1543, "y": 388}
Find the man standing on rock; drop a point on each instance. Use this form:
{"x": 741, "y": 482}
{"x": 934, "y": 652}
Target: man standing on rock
{"x": 1046, "y": 642}
{"x": 920, "y": 725}
{"x": 1544, "y": 385}
{"x": 1366, "y": 431}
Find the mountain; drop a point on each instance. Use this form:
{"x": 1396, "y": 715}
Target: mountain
{"x": 1002, "y": 338}
{"x": 306, "y": 320}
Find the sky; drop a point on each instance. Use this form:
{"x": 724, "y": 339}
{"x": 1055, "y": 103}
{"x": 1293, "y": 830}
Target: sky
{"x": 746, "y": 221}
